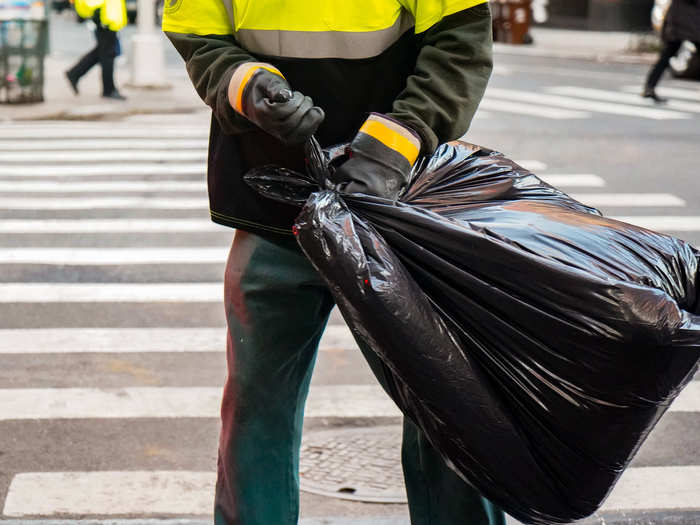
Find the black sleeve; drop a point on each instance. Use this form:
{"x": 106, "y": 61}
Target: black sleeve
{"x": 210, "y": 62}
{"x": 453, "y": 67}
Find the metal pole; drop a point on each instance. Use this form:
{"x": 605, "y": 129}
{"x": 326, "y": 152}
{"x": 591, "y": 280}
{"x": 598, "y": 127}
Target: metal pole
{"x": 148, "y": 55}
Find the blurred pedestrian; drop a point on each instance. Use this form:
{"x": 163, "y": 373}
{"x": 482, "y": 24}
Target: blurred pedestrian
{"x": 682, "y": 22}
{"x": 109, "y": 17}
{"x": 395, "y": 78}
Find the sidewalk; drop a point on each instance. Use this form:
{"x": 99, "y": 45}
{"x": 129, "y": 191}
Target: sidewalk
{"x": 600, "y": 46}
{"x": 62, "y": 104}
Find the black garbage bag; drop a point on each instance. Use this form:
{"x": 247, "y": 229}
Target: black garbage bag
{"x": 534, "y": 342}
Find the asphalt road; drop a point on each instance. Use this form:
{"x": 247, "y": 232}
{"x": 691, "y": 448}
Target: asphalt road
{"x": 75, "y": 401}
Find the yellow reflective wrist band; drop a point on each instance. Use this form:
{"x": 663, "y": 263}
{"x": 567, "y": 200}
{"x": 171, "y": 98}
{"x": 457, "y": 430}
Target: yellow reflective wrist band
{"x": 393, "y": 136}
{"x": 240, "y": 79}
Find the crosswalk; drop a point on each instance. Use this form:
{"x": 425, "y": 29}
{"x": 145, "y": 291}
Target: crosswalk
{"x": 575, "y": 102}
{"x": 111, "y": 330}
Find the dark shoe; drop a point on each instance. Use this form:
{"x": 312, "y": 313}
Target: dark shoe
{"x": 114, "y": 95}
{"x": 73, "y": 82}
{"x": 651, "y": 93}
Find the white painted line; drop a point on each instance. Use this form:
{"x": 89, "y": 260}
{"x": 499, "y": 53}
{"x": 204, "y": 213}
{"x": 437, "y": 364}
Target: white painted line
{"x": 110, "y": 292}
{"x": 656, "y": 488}
{"x": 101, "y": 131}
{"x": 177, "y": 492}
{"x": 345, "y": 401}
{"x": 505, "y": 106}
{"x": 532, "y": 165}
{"x": 177, "y": 402}
{"x": 59, "y": 144}
{"x": 92, "y": 203}
{"x": 191, "y": 493}
{"x": 143, "y": 493}
{"x": 103, "y": 156}
{"x": 586, "y": 105}
{"x": 687, "y": 94}
{"x": 623, "y": 98}
{"x": 139, "y": 340}
{"x": 23, "y": 226}
{"x": 581, "y": 180}
{"x": 113, "y": 170}
{"x": 102, "y": 186}
{"x": 112, "y": 256}
{"x": 667, "y": 223}
{"x": 688, "y": 400}
{"x": 629, "y": 199}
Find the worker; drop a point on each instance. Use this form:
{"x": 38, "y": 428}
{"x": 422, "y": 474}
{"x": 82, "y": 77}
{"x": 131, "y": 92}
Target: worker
{"x": 395, "y": 78}
{"x": 109, "y": 17}
{"x": 681, "y": 22}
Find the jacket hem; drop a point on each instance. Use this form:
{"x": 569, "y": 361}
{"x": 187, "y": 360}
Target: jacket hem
{"x": 243, "y": 224}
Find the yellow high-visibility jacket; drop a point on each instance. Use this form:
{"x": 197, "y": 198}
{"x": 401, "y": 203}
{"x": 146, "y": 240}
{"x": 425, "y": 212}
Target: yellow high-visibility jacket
{"x": 424, "y": 63}
{"x": 112, "y": 12}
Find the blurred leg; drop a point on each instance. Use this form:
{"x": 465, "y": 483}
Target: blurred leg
{"x": 667, "y": 53}
{"x": 276, "y": 308}
{"x": 84, "y": 65}
{"x": 107, "y": 50}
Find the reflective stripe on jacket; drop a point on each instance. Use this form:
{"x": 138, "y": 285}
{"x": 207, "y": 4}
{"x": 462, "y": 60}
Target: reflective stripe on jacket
{"x": 313, "y": 28}
{"x": 112, "y": 12}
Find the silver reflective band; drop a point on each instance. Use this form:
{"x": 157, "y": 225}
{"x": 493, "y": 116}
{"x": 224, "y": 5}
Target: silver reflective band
{"x": 324, "y": 44}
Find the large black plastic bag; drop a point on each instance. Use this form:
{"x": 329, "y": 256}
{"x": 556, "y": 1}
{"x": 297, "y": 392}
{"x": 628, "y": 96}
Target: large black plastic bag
{"x": 534, "y": 342}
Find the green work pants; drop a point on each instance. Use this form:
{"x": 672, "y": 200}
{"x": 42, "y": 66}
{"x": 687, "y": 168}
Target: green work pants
{"x": 277, "y": 308}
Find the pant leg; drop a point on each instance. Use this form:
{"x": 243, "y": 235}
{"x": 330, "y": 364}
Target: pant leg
{"x": 436, "y": 495}
{"x": 656, "y": 72}
{"x": 85, "y": 64}
{"x": 107, "y": 52}
{"x": 276, "y": 308}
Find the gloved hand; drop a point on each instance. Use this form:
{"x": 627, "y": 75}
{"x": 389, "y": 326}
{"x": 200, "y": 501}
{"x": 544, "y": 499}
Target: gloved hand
{"x": 382, "y": 155}
{"x": 260, "y": 93}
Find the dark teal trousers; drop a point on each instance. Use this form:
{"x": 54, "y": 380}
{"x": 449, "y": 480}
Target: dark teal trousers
{"x": 277, "y": 308}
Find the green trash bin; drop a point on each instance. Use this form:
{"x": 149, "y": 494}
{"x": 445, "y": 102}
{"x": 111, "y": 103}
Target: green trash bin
{"x": 23, "y": 46}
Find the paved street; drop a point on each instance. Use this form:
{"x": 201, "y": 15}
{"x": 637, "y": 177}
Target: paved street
{"x": 111, "y": 323}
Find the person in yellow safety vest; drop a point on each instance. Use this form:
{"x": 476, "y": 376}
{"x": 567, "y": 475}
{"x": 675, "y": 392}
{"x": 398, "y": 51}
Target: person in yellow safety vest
{"x": 395, "y": 78}
{"x": 109, "y": 17}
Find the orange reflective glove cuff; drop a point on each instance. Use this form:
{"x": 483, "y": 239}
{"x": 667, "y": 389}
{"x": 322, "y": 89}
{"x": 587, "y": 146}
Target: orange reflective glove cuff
{"x": 393, "y": 135}
{"x": 241, "y": 76}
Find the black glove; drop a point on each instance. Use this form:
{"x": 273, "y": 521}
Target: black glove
{"x": 260, "y": 93}
{"x": 382, "y": 155}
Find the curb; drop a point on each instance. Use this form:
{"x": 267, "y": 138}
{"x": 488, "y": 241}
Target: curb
{"x": 615, "y": 57}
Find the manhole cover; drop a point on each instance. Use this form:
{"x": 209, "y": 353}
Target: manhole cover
{"x": 361, "y": 464}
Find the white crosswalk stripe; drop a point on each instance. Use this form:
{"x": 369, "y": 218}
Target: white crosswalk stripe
{"x": 204, "y": 402}
{"x": 624, "y": 98}
{"x": 156, "y": 493}
{"x": 102, "y": 186}
{"x": 85, "y": 144}
{"x": 671, "y": 92}
{"x": 23, "y": 226}
{"x": 53, "y": 157}
{"x": 137, "y": 340}
{"x": 559, "y": 101}
{"x": 91, "y": 203}
{"x": 118, "y": 169}
{"x": 576, "y": 102}
{"x": 110, "y": 292}
{"x": 85, "y": 256}
{"x": 532, "y": 110}
{"x": 629, "y": 199}
{"x": 111, "y": 170}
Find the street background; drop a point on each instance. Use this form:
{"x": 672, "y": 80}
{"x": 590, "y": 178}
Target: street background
{"x": 111, "y": 320}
